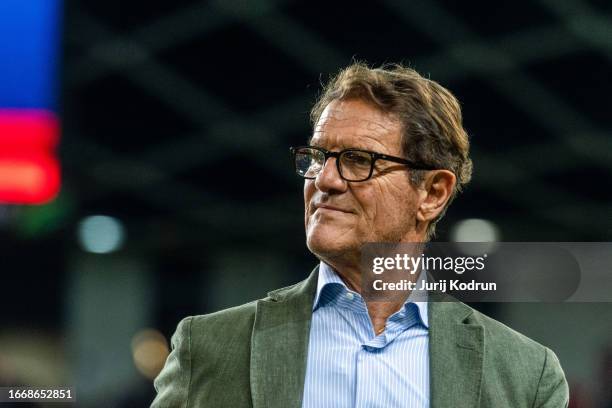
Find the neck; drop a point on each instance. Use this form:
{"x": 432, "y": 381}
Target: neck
{"x": 348, "y": 272}
{"x": 379, "y": 311}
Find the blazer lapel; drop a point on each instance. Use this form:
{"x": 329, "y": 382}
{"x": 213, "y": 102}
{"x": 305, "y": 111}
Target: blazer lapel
{"x": 456, "y": 346}
{"x": 279, "y": 345}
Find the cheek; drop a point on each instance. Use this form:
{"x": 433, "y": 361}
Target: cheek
{"x": 383, "y": 204}
{"x": 309, "y": 190}
{"x": 370, "y": 201}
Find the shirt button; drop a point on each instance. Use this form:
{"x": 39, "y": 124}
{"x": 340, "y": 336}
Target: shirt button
{"x": 350, "y": 296}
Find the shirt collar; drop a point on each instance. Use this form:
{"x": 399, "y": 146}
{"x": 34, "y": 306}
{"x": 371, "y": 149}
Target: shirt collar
{"x": 329, "y": 278}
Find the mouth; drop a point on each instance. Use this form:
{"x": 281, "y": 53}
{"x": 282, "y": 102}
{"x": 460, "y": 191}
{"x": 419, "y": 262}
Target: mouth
{"x": 331, "y": 208}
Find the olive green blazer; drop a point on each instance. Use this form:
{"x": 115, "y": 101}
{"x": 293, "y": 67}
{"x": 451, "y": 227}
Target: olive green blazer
{"x": 254, "y": 355}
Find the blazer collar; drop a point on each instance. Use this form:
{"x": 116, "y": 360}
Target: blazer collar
{"x": 279, "y": 345}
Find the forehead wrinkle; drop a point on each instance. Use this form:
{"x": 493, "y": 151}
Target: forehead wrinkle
{"x": 340, "y": 113}
{"x": 360, "y": 124}
{"x": 378, "y": 136}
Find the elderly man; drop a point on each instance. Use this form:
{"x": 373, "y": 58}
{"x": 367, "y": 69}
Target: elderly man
{"x": 387, "y": 155}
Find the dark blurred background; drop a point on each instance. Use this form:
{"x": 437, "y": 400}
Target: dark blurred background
{"x": 178, "y": 196}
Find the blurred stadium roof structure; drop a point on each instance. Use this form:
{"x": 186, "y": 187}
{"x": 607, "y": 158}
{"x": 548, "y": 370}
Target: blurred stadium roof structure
{"x": 177, "y": 118}
{"x": 185, "y": 109}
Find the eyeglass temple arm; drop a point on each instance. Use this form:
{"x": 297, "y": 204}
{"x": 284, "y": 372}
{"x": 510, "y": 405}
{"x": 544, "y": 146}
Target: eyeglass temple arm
{"x": 409, "y": 163}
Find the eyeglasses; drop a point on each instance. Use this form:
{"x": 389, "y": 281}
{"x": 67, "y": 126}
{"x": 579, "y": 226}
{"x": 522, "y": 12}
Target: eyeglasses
{"x": 352, "y": 164}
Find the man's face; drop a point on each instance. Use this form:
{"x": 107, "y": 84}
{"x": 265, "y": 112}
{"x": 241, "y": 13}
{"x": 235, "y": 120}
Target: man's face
{"x": 341, "y": 216}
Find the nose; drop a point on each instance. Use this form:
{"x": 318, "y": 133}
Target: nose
{"x": 328, "y": 180}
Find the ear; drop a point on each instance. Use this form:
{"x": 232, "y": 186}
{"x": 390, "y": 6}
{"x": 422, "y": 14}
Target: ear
{"x": 436, "y": 190}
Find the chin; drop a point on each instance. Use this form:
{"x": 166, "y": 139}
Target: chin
{"x": 326, "y": 244}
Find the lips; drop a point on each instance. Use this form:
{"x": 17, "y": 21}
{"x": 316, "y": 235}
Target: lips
{"x": 329, "y": 207}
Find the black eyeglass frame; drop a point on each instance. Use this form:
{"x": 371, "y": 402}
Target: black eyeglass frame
{"x": 374, "y": 156}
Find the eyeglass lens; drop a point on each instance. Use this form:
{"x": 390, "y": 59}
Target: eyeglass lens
{"x": 354, "y": 164}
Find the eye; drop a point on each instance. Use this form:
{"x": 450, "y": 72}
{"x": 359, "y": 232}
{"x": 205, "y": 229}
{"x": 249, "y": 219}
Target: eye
{"x": 356, "y": 158}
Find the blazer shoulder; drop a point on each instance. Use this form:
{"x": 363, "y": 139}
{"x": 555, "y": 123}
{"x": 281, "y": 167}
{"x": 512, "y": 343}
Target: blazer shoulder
{"x": 216, "y": 329}
{"x": 500, "y": 336}
{"x": 233, "y": 315}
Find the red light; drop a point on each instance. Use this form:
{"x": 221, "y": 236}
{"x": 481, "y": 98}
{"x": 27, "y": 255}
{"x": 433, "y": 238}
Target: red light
{"x": 29, "y": 171}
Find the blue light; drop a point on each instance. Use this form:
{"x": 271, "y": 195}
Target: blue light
{"x": 29, "y": 53}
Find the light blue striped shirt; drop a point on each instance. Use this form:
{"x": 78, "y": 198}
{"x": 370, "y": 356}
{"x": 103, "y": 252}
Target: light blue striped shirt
{"x": 349, "y": 366}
